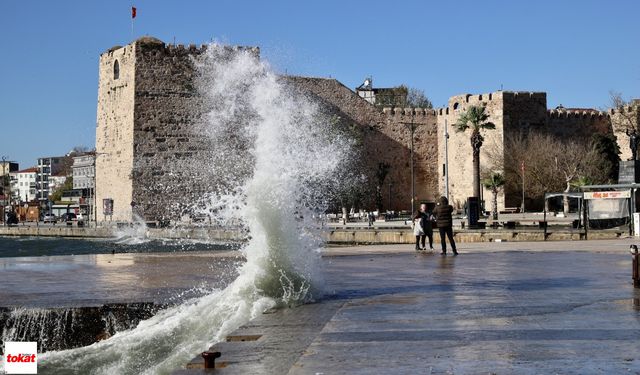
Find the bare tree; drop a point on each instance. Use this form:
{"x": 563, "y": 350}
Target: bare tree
{"x": 551, "y": 164}
{"x": 417, "y": 99}
{"x": 402, "y": 96}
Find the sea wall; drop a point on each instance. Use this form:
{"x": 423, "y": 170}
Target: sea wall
{"x": 346, "y": 235}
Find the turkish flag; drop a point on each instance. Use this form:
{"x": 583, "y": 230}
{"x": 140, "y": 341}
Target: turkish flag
{"x": 133, "y": 12}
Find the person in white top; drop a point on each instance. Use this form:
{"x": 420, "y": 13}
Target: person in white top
{"x": 418, "y": 231}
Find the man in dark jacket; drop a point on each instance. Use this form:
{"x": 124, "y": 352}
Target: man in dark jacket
{"x": 444, "y": 222}
{"x": 427, "y": 226}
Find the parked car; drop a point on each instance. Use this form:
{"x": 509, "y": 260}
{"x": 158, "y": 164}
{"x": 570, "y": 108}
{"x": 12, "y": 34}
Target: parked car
{"x": 68, "y": 217}
{"x": 49, "y": 218}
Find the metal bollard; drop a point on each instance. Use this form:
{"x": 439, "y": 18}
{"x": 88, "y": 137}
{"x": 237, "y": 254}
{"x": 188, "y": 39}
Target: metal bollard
{"x": 210, "y": 359}
{"x": 635, "y": 273}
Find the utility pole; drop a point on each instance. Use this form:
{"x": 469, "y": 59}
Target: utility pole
{"x": 413, "y": 182}
{"x": 522, "y": 167}
{"x": 4, "y": 192}
{"x": 412, "y": 129}
{"x": 6, "y": 176}
{"x": 93, "y": 207}
{"x": 446, "y": 159}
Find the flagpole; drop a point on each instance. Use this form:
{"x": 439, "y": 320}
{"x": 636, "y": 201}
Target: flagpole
{"x": 133, "y": 16}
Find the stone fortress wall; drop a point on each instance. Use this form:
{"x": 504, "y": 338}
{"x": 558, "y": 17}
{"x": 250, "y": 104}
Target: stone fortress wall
{"x": 147, "y": 138}
{"x": 512, "y": 113}
{"x": 165, "y": 139}
{"x": 386, "y": 139}
{"x": 147, "y": 132}
{"x": 623, "y": 118}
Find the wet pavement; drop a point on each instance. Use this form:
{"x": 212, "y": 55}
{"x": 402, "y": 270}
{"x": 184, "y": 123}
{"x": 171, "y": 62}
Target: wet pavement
{"x": 502, "y": 308}
{"x": 536, "y": 311}
{"x": 94, "y": 280}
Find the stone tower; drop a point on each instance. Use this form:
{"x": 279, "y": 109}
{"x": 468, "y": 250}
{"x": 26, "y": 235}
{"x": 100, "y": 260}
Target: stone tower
{"x": 146, "y": 132}
{"x": 512, "y": 113}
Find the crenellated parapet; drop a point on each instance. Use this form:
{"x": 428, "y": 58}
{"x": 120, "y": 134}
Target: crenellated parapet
{"x": 160, "y": 49}
{"x": 408, "y": 111}
{"x": 492, "y": 99}
{"x": 442, "y": 111}
{"x": 635, "y": 107}
{"x": 576, "y": 114}
{"x": 181, "y": 49}
{"x": 527, "y": 95}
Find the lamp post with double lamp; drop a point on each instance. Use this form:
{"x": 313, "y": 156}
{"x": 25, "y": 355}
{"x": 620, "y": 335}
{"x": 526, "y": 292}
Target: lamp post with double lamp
{"x": 412, "y": 129}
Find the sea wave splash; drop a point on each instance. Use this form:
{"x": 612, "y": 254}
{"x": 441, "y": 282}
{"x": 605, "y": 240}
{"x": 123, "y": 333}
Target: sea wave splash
{"x": 274, "y": 153}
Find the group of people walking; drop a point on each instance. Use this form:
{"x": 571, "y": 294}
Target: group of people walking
{"x": 424, "y": 221}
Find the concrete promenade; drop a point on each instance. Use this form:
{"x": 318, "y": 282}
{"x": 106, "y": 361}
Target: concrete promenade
{"x": 498, "y": 308}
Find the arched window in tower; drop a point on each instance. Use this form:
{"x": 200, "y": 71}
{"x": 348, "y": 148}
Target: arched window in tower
{"x": 116, "y": 70}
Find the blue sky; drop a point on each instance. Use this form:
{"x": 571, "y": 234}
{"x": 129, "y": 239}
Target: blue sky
{"x": 576, "y": 51}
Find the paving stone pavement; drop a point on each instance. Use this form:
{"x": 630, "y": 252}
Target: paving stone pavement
{"x": 562, "y": 308}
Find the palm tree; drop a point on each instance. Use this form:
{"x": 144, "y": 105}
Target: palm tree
{"x": 578, "y": 183}
{"x": 475, "y": 118}
{"x": 494, "y": 182}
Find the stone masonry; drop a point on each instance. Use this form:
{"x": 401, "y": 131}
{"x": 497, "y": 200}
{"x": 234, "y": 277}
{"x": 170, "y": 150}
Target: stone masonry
{"x": 622, "y": 119}
{"x": 512, "y": 113}
{"x": 147, "y": 132}
{"x": 386, "y": 139}
{"x": 114, "y": 132}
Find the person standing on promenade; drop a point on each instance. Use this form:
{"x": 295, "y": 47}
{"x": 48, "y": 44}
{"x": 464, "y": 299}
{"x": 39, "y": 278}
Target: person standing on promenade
{"x": 417, "y": 229}
{"x": 444, "y": 221}
{"x": 427, "y": 226}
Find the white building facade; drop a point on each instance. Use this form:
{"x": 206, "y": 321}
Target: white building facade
{"x": 47, "y": 167}
{"x": 84, "y": 169}
{"x": 23, "y": 185}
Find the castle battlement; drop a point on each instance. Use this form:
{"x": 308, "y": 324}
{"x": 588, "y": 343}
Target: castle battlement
{"x": 409, "y": 111}
{"x": 183, "y": 47}
{"x": 524, "y": 94}
{"x": 170, "y": 50}
{"x": 627, "y": 109}
{"x": 575, "y": 114}
{"x": 474, "y": 98}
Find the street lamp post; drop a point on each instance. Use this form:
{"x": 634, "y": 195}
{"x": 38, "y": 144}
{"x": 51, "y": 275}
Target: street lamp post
{"x": 4, "y": 208}
{"x": 446, "y": 159}
{"x": 6, "y": 176}
{"x": 522, "y": 167}
{"x": 412, "y": 128}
